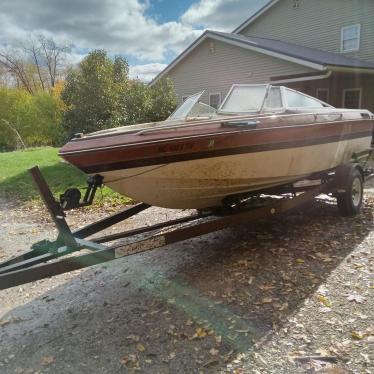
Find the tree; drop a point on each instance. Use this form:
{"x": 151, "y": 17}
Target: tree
{"x": 52, "y": 56}
{"x": 148, "y": 104}
{"x": 137, "y": 101}
{"x": 91, "y": 93}
{"x": 163, "y": 100}
{"x": 120, "y": 70}
{"x": 17, "y": 67}
{"x": 36, "y": 65}
{"x": 5, "y": 78}
{"x": 100, "y": 95}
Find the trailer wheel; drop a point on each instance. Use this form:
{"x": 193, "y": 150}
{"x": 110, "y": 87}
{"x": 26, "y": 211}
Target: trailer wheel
{"x": 350, "y": 201}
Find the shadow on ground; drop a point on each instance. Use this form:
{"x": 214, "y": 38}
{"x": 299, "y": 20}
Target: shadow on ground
{"x": 185, "y": 308}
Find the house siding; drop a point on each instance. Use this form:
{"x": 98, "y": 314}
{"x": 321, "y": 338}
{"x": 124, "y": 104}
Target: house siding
{"x": 317, "y": 24}
{"x": 215, "y": 66}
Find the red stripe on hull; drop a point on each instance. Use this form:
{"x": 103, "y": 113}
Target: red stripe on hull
{"x": 131, "y": 150}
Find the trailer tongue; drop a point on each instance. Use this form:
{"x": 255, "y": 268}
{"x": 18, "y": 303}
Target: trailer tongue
{"x": 47, "y": 259}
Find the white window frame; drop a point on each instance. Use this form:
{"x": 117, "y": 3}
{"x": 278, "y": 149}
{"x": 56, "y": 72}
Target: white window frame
{"x": 220, "y": 97}
{"x": 327, "y": 90}
{"x": 280, "y": 109}
{"x": 229, "y": 93}
{"x": 283, "y": 98}
{"x": 359, "y": 89}
{"x": 342, "y": 50}
{"x": 303, "y": 94}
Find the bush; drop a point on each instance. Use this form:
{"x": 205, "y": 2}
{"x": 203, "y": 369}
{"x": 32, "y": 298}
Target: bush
{"x": 36, "y": 118}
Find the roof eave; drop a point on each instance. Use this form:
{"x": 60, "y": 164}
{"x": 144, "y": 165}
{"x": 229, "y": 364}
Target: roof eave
{"x": 300, "y": 61}
{"x": 192, "y": 46}
{"x": 251, "y": 19}
{"x": 242, "y": 44}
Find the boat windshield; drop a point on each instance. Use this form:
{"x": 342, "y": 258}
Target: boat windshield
{"x": 191, "y": 107}
{"x": 251, "y": 98}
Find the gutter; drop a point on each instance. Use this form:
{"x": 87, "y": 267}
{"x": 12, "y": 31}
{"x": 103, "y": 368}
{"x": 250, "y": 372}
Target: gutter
{"x": 303, "y": 79}
{"x": 346, "y": 69}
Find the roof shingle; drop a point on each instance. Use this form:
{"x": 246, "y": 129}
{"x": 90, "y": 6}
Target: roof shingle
{"x": 293, "y": 50}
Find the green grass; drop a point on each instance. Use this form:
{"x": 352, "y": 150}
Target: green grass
{"x": 16, "y": 183}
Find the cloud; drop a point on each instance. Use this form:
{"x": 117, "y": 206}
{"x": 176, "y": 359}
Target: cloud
{"x": 119, "y": 26}
{"x": 224, "y": 15}
{"x": 146, "y": 72}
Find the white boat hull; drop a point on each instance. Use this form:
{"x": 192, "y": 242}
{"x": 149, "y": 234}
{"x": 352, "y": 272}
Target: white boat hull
{"x": 204, "y": 183}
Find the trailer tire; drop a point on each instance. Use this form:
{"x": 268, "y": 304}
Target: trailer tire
{"x": 350, "y": 201}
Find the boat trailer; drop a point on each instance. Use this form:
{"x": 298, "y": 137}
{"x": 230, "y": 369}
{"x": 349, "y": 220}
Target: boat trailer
{"x": 47, "y": 259}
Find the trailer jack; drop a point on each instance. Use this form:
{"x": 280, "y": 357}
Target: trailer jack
{"x": 71, "y": 198}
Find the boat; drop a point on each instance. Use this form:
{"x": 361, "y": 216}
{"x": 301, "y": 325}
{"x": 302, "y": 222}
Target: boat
{"x": 261, "y": 137}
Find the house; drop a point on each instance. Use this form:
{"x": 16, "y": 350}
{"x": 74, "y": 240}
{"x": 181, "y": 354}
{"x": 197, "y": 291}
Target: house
{"x": 324, "y": 48}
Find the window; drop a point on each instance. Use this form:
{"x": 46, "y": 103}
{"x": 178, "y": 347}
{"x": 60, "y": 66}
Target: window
{"x": 350, "y": 38}
{"x": 274, "y": 99}
{"x": 182, "y": 111}
{"x": 323, "y": 94}
{"x": 352, "y": 98}
{"x": 298, "y": 100}
{"x": 215, "y": 99}
{"x": 244, "y": 98}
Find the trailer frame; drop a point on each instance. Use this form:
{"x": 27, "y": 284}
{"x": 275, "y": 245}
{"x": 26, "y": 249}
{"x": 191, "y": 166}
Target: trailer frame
{"x": 45, "y": 258}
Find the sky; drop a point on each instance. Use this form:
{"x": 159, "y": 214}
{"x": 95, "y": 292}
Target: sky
{"x": 149, "y": 33}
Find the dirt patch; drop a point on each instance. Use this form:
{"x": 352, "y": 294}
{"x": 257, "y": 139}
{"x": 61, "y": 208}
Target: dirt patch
{"x": 265, "y": 298}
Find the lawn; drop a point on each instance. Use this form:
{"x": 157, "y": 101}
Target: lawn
{"x": 16, "y": 184}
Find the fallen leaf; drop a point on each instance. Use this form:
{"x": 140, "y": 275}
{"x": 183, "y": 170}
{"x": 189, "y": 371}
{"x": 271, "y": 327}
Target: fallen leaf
{"x": 140, "y": 347}
{"x": 362, "y": 316}
{"x": 266, "y": 300}
{"x": 358, "y": 266}
{"x": 284, "y": 306}
{"x": 125, "y": 360}
{"x": 266, "y": 287}
{"x": 323, "y": 352}
{"x": 366, "y": 357}
{"x": 200, "y": 332}
{"x": 214, "y": 352}
{"x": 130, "y": 359}
{"x": 135, "y": 338}
{"x": 356, "y": 298}
{"x": 357, "y": 335}
{"x": 322, "y": 290}
{"x": 300, "y": 261}
{"x": 325, "y": 301}
{"x": 47, "y": 360}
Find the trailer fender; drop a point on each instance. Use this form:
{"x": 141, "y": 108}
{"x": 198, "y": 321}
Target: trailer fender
{"x": 342, "y": 176}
